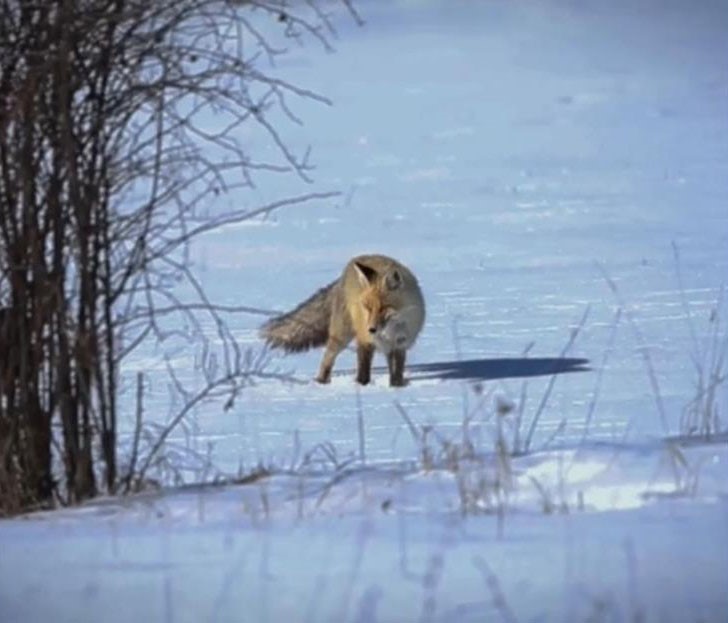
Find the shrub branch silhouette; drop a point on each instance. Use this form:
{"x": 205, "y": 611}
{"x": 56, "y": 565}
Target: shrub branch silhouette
{"x": 107, "y": 173}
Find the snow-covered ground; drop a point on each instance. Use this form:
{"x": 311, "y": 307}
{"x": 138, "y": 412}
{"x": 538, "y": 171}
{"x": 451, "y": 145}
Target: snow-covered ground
{"x": 505, "y": 151}
{"x": 389, "y": 545}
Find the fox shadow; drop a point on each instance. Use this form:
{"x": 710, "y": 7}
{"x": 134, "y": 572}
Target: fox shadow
{"x": 491, "y": 369}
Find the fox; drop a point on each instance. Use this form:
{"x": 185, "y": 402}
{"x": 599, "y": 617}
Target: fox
{"x": 377, "y": 301}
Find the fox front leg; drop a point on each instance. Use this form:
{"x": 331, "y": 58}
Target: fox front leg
{"x": 333, "y": 347}
{"x": 364, "y": 355}
{"x": 395, "y": 360}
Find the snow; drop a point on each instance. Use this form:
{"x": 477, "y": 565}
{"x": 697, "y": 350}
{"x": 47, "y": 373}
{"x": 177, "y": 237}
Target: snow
{"x": 505, "y": 152}
{"x": 386, "y": 544}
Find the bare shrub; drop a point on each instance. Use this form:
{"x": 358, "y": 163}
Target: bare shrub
{"x": 107, "y": 172}
{"x": 701, "y": 416}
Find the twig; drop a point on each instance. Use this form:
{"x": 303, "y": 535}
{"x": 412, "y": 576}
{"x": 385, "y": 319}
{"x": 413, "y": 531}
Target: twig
{"x": 600, "y": 373}
{"x": 137, "y": 432}
{"x": 544, "y": 399}
{"x": 643, "y": 349}
{"x": 499, "y": 599}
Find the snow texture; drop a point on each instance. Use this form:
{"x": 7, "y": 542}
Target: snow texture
{"x": 509, "y": 153}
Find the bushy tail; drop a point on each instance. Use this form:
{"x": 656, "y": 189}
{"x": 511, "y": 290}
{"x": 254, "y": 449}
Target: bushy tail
{"x": 305, "y": 327}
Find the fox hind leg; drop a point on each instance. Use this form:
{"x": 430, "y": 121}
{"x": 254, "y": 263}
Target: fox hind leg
{"x": 364, "y": 355}
{"x": 395, "y": 361}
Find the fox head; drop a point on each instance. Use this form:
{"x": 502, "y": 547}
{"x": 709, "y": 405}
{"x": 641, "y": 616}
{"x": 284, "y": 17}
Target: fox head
{"x": 379, "y": 295}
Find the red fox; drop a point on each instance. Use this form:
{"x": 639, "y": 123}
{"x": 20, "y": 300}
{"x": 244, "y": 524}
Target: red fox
{"x": 376, "y": 300}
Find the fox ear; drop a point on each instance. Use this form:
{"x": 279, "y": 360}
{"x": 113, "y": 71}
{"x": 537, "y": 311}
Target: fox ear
{"x": 393, "y": 279}
{"x": 367, "y": 275}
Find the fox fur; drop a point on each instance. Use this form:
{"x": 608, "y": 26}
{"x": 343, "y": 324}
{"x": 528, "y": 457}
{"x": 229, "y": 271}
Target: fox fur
{"x": 376, "y": 301}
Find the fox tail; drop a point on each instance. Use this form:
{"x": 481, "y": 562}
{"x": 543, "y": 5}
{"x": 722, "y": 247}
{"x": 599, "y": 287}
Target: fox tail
{"x": 306, "y": 326}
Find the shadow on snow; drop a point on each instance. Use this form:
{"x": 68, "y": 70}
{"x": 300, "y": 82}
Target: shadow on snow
{"x": 489, "y": 369}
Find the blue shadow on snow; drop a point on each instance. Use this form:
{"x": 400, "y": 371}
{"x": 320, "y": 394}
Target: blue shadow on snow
{"x": 489, "y": 369}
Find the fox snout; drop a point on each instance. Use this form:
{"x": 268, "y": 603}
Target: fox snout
{"x": 378, "y": 324}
